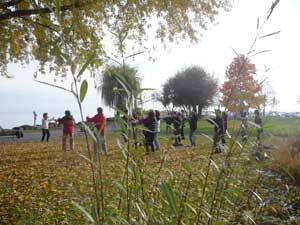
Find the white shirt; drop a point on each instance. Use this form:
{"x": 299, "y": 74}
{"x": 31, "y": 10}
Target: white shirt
{"x": 157, "y": 126}
{"x": 45, "y": 123}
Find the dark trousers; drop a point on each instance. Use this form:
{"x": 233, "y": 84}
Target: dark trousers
{"x": 182, "y": 133}
{"x": 45, "y": 133}
{"x": 149, "y": 138}
{"x": 177, "y": 134}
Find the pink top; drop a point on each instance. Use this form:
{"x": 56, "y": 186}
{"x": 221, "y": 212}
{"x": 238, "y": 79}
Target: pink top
{"x": 69, "y": 125}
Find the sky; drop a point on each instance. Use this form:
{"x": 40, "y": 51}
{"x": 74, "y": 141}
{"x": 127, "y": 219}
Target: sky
{"x": 236, "y": 29}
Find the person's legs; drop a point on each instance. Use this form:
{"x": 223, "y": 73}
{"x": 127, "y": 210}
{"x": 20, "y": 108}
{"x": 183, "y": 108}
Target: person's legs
{"x": 64, "y": 140}
{"x": 216, "y": 142}
{"x": 148, "y": 141}
{"x": 48, "y": 134}
{"x": 192, "y": 138}
{"x": 178, "y": 136}
{"x": 156, "y": 141}
{"x": 44, "y": 134}
{"x": 103, "y": 144}
{"x": 182, "y": 133}
{"x": 71, "y": 141}
{"x": 151, "y": 141}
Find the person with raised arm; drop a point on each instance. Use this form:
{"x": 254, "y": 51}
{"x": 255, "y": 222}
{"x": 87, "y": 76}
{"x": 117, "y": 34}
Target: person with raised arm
{"x": 99, "y": 121}
{"x": 68, "y": 123}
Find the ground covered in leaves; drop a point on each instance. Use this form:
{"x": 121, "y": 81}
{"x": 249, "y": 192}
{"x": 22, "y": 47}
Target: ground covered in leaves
{"x": 38, "y": 187}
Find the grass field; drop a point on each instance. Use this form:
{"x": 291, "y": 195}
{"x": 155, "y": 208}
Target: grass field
{"x": 165, "y": 187}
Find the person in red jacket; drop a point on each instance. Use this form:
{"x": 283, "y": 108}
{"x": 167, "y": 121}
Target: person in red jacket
{"x": 100, "y": 123}
{"x": 68, "y": 130}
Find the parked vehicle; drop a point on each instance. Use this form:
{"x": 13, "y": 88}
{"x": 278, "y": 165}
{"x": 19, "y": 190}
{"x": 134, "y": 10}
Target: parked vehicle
{"x": 18, "y": 132}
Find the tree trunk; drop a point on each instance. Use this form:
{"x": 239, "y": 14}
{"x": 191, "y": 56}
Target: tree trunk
{"x": 200, "y": 110}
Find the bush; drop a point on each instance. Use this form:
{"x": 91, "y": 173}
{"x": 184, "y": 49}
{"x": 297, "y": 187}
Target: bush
{"x": 287, "y": 159}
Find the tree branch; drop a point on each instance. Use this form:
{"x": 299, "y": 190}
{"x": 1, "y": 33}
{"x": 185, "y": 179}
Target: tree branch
{"x": 5, "y": 5}
{"x": 29, "y": 12}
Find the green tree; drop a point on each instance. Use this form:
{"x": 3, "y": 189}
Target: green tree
{"x": 192, "y": 88}
{"x": 31, "y": 30}
{"x": 112, "y": 91}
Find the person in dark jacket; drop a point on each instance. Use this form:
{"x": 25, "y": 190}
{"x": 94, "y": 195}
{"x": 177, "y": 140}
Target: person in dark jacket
{"x": 177, "y": 125}
{"x": 68, "y": 130}
{"x": 224, "y": 118}
{"x": 193, "y": 126}
{"x": 182, "y": 125}
{"x": 218, "y": 130}
{"x": 168, "y": 121}
{"x": 149, "y": 124}
{"x": 258, "y": 122}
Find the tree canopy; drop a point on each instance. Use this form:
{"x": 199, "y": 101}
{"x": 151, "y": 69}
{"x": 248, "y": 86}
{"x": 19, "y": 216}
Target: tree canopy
{"x": 241, "y": 90}
{"x": 32, "y": 30}
{"x": 190, "y": 88}
{"x": 112, "y": 91}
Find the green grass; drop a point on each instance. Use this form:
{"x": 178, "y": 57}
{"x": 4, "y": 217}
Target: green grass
{"x": 271, "y": 125}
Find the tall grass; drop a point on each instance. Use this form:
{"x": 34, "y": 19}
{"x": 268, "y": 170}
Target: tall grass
{"x": 183, "y": 186}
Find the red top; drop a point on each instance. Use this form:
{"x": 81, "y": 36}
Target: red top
{"x": 100, "y": 122}
{"x": 69, "y": 125}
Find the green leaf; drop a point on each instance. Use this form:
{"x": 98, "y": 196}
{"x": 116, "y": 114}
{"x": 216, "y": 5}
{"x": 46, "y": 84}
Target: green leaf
{"x": 264, "y": 51}
{"x": 271, "y": 34}
{"x": 57, "y": 10}
{"x": 135, "y": 54}
{"x": 141, "y": 90}
{"x": 87, "y": 63}
{"x": 84, "y": 212}
{"x": 83, "y": 90}
{"x": 247, "y": 215}
{"x": 89, "y": 131}
{"x": 52, "y": 85}
{"x": 170, "y": 196}
{"x": 87, "y": 159}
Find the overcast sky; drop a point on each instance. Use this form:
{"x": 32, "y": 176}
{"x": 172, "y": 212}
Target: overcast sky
{"x": 235, "y": 29}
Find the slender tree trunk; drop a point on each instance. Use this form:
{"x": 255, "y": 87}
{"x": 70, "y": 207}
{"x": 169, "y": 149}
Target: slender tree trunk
{"x": 200, "y": 110}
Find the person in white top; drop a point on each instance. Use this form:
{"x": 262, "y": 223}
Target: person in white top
{"x": 45, "y": 127}
{"x": 156, "y": 130}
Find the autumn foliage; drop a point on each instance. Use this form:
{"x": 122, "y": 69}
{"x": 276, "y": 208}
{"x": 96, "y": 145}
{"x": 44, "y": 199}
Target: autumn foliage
{"x": 241, "y": 90}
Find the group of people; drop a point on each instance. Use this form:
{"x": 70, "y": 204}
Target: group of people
{"x": 175, "y": 122}
{"x": 68, "y": 122}
{"x": 151, "y": 130}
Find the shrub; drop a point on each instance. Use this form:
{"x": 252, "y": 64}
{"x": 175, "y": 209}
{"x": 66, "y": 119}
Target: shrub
{"x": 287, "y": 159}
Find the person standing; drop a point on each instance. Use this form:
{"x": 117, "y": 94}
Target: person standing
{"x": 34, "y": 118}
{"x": 45, "y": 127}
{"x": 224, "y": 118}
{"x": 68, "y": 131}
{"x": 168, "y": 121}
{"x": 149, "y": 123}
{"x": 182, "y": 125}
{"x": 193, "y": 126}
{"x": 218, "y": 130}
{"x": 100, "y": 123}
{"x": 177, "y": 125}
{"x": 156, "y": 130}
{"x": 258, "y": 122}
